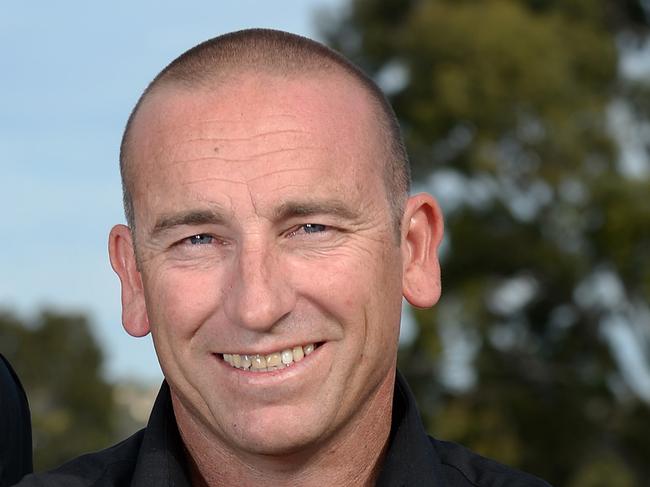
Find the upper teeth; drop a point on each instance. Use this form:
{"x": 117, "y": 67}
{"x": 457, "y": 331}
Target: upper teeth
{"x": 272, "y": 361}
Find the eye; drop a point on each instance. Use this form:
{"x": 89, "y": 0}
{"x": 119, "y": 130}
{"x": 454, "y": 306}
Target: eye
{"x": 313, "y": 228}
{"x": 200, "y": 239}
{"x": 308, "y": 229}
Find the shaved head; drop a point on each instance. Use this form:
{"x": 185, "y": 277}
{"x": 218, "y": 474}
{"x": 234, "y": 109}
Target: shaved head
{"x": 268, "y": 52}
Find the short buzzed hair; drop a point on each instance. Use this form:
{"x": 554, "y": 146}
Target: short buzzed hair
{"x": 279, "y": 53}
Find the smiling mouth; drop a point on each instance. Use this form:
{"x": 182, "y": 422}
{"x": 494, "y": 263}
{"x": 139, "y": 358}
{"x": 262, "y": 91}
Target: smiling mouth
{"x": 273, "y": 361}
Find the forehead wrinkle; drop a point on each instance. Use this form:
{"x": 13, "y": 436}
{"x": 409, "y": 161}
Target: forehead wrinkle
{"x": 195, "y": 130}
{"x": 243, "y": 139}
{"x": 257, "y": 118}
{"x": 245, "y": 159}
{"x": 194, "y": 126}
{"x": 232, "y": 121}
{"x": 283, "y": 171}
{"x": 212, "y": 179}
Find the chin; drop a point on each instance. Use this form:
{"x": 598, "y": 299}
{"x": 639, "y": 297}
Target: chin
{"x": 272, "y": 444}
{"x": 278, "y": 436}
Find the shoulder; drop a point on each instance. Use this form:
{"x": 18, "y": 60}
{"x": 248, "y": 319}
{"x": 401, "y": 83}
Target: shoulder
{"x": 463, "y": 467}
{"x": 110, "y": 467}
{"x": 15, "y": 426}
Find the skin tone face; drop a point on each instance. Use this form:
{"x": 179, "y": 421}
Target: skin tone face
{"x": 263, "y": 226}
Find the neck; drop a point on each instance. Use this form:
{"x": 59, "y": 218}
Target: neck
{"x": 352, "y": 457}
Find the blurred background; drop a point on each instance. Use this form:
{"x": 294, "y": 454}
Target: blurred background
{"x": 527, "y": 119}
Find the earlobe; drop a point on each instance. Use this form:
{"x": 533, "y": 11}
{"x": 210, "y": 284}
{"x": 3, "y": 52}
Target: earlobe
{"x": 122, "y": 255}
{"x": 422, "y": 230}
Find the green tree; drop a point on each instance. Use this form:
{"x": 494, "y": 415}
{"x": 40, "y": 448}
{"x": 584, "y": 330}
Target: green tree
{"x": 505, "y": 109}
{"x": 59, "y": 364}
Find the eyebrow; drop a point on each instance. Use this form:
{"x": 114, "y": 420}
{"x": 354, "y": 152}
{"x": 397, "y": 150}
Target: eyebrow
{"x": 308, "y": 208}
{"x": 190, "y": 217}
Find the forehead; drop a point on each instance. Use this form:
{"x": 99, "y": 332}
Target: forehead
{"x": 250, "y": 129}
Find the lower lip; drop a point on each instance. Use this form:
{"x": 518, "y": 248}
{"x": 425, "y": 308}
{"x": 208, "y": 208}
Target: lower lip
{"x": 283, "y": 373}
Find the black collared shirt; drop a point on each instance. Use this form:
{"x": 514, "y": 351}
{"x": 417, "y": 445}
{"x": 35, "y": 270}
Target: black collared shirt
{"x": 155, "y": 456}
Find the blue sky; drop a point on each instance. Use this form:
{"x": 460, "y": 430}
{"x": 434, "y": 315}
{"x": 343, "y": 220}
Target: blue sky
{"x": 71, "y": 72}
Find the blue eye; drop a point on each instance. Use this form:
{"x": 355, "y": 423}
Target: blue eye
{"x": 309, "y": 229}
{"x": 200, "y": 239}
{"x": 313, "y": 228}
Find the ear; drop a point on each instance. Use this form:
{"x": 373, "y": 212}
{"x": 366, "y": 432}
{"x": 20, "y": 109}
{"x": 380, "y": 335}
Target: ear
{"x": 422, "y": 230}
{"x": 122, "y": 254}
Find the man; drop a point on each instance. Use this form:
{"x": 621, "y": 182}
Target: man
{"x": 270, "y": 241}
{"x": 15, "y": 427}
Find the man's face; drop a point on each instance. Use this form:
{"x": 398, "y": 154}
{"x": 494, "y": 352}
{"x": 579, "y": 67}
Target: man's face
{"x": 263, "y": 227}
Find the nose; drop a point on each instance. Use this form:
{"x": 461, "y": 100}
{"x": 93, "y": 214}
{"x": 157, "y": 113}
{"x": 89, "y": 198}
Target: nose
{"x": 260, "y": 293}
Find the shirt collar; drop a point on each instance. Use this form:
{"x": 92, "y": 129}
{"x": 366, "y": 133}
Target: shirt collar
{"x": 162, "y": 460}
{"x": 410, "y": 458}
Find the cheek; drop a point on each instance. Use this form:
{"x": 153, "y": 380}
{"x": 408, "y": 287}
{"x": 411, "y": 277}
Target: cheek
{"x": 179, "y": 301}
{"x": 352, "y": 283}
{"x": 337, "y": 278}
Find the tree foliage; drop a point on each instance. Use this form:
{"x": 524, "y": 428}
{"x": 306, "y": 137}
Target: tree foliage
{"x": 59, "y": 363}
{"x": 505, "y": 107}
